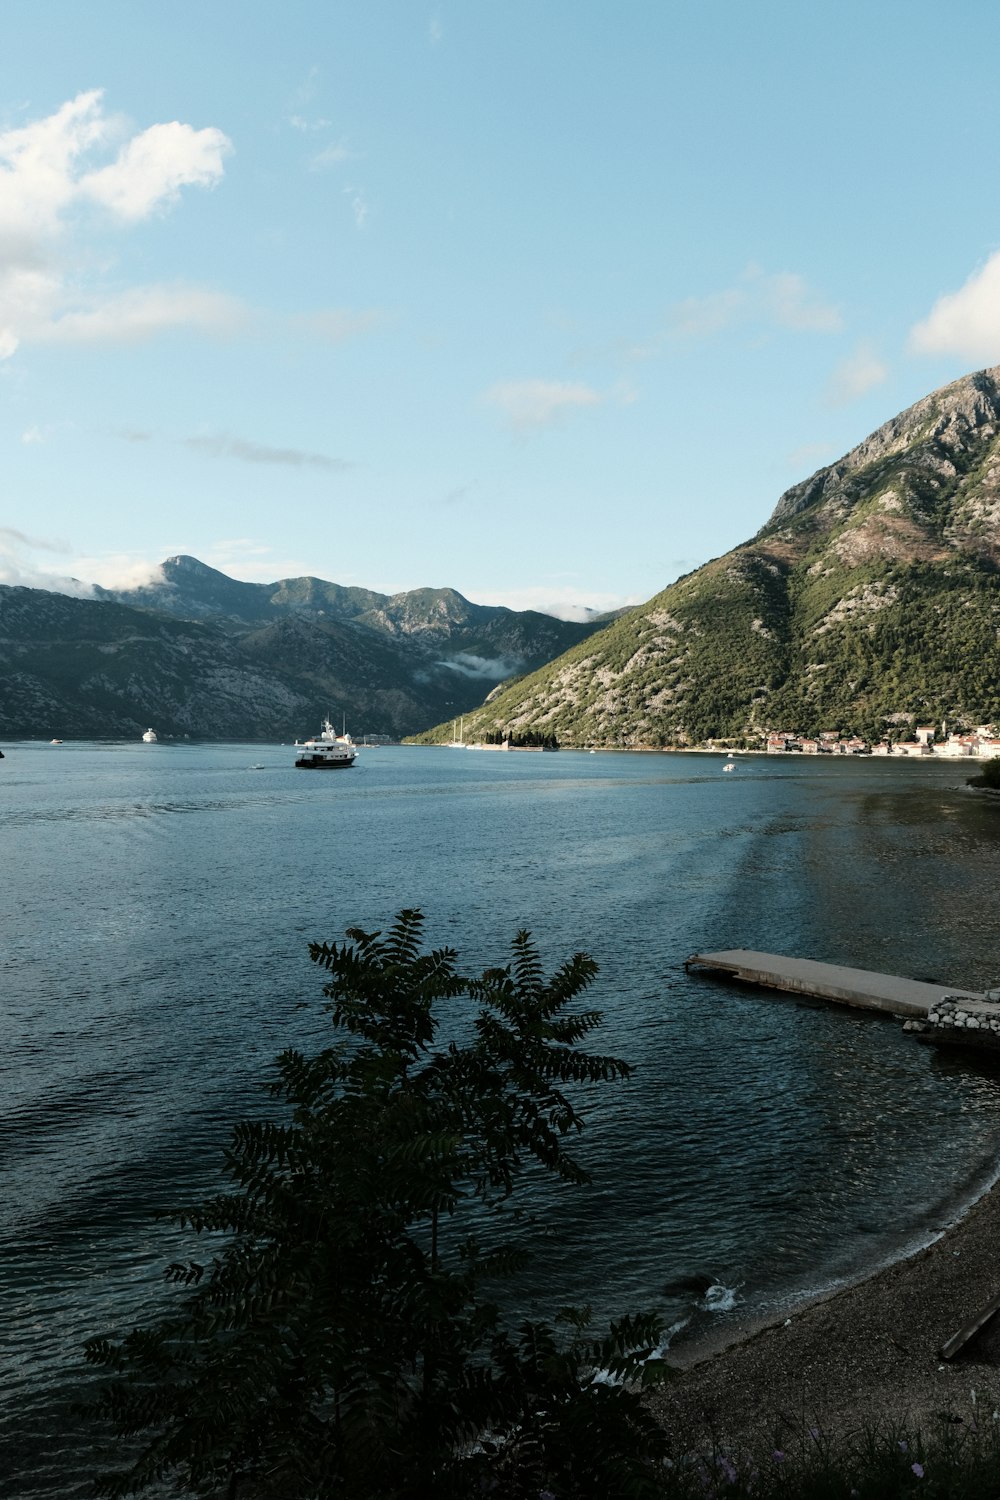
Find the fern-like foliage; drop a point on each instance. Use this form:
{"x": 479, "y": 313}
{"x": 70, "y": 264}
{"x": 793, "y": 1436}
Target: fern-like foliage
{"x": 342, "y": 1339}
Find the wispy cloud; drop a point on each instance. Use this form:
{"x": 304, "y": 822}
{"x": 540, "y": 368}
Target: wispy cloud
{"x": 52, "y": 180}
{"x": 333, "y": 155}
{"x": 335, "y": 325}
{"x": 19, "y": 569}
{"x": 564, "y": 600}
{"x": 225, "y": 446}
{"x": 359, "y": 206}
{"x": 483, "y": 668}
{"x": 783, "y": 300}
{"x": 139, "y": 314}
{"x": 457, "y": 495}
{"x": 807, "y": 456}
{"x": 11, "y": 539}
{"x": 253, "y": 561}
{"x": 299, "y": 122}
{"x": 966, "y": 322}
{"x": 299, "y": 106}
{"x": 530, "y": 404}
{"x": 856, "y": 375}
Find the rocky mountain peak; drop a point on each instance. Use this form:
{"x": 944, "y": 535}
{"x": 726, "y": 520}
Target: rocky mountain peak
{"x": 942, "y": 437}
{"x": 871, "y": 598}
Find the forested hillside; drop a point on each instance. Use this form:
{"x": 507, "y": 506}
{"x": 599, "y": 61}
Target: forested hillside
{"x": 871, "y": 596}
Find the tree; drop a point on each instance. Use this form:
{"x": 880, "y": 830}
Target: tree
{"x": 343, "y": 1341}
{"x": 989, "y": 775}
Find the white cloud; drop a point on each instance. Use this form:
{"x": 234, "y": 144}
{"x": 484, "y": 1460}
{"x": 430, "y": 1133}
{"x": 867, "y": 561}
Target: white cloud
{"x": 483, "y": 668}
{"x": 50, "y": 184}
{"x": 781, "y": 299}
{"x": 539, "y": 403}
{"x": 121, "y": 570}
{"x": 966, "y": 322}
{"x": 854, "y": 376}
{"x": 151, "y": 169}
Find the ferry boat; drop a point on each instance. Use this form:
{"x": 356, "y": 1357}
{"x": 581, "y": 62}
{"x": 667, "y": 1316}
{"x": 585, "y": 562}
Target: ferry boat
{"x": 149, "y": 738}
{"x": 326, "y": 751}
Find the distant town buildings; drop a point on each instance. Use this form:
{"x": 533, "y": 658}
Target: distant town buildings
{"x": 982, "y": 743}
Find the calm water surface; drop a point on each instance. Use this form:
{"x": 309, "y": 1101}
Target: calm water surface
{"x": 156, "y": 907}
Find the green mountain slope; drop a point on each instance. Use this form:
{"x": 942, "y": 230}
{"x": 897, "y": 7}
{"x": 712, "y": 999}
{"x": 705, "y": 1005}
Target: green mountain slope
{"x": 872, "y": 595}
{"x": 202, "y": 654}
{"x": 438, "y": 624}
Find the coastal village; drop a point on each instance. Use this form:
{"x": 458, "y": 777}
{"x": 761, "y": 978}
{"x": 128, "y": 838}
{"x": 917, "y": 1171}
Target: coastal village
{"x": 982, "y": 743}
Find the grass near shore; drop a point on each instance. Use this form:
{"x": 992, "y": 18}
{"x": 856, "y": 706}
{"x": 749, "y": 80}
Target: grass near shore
{"x": 955, "y": 1458}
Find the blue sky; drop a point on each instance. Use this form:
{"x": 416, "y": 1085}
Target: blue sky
{"x": 544, "y": 300}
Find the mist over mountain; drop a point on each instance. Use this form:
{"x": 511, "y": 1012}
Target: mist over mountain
{"x": 870, "y": 596}
{"x": 202, "y": 654}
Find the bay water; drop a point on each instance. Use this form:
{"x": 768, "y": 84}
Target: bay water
{"x": 156, "y": 906}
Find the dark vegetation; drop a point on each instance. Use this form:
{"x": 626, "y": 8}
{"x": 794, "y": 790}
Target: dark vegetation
{"x": 532, "y": 739}
{"x": 346, "y": 1338}
{"x": 989, "y": 776}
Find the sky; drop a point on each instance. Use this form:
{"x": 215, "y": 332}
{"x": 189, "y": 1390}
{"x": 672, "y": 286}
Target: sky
{"x": 547, "y": 301}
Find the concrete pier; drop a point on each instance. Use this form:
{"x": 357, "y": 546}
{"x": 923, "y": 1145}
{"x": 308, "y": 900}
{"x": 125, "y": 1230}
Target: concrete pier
{"x": 862, "y": 989}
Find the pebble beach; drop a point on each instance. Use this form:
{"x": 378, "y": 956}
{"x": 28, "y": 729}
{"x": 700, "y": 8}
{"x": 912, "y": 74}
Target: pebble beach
{"x": 866, "y": 1354}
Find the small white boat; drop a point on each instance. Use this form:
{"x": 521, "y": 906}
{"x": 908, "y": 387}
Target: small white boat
{"x": 326, "y": 751}
{"x": 149, "y": 738}
{"x": 730, "y": 765}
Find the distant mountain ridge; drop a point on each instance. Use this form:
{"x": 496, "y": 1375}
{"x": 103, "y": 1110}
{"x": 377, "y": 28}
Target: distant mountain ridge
{"x": 869, "y": 597}
{"x": 192, "y": 590}
{"x": 202, "y": 654}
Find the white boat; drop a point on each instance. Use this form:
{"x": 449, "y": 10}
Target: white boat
{"x": 326, "y": 751}
{"x": 149, "y": 738}
{"x": 730, "y": 765}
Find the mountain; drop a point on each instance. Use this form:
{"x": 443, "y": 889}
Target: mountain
{"x": 870, "y": 597}
{"x": 206, "y": 655}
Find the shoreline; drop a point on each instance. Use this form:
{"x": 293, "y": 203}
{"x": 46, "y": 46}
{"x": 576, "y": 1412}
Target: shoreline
{"x": 858, "y": 1354}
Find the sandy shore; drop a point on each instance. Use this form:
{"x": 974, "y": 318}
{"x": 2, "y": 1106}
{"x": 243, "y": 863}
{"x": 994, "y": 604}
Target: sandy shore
{"x": 868, "y": 1352}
